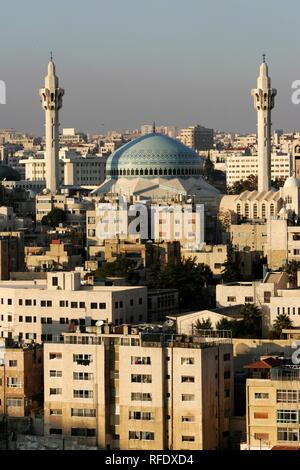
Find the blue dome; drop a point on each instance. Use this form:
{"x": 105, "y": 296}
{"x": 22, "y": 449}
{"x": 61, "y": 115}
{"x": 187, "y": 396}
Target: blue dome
{"x": 154, "y": 155}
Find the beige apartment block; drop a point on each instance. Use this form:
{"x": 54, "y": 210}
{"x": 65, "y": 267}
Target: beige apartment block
{"x": 75, "y": 207}
{"x": 273, "y": 405}
{"x": 59, "y": 256}
{"x": 21, "y": 378}
{"x": 139, "y": 391}
{"x": 212, "y": 255}
{"x": 42, "y": 309}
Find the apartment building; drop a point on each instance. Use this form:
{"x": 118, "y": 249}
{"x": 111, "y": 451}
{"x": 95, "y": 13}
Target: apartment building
{"x": 137, "y": 390}
{"x": 197, "y": 137}
{"x": 21, "y": 378}
{"x": 75, "y": 207}
{"x": 273, "y": 405}
{"x": 42, "y": 309}
{"x": 213, "y": 255}
{"x": 239, "y": 167}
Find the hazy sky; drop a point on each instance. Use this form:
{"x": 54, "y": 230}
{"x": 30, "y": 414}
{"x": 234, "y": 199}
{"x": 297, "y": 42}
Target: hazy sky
{"x": 125, "y": 63}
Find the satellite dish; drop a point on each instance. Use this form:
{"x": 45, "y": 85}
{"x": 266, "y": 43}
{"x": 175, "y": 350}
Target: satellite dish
{"x": 99, "y": 323}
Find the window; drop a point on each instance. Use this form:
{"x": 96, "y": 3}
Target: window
{"x": 13, "y": 382}
{"x": 226, "y": 357}
{"x": 140, "y": 301}
{"x": 82, "y": 359}
{"x": 231, "y": 299}
{"x": 20, "y": 318}
{"x": 81, "y": 304}
{"x": 261, "y": 436}
{"x": 141, "y": 378}
{"x": 14, "y": 402}
{"x": 74, "y": 304}
{"x": 82, "y": 376}
{"x": 187, "y": 379}
{"x": 49, "y": 303}
{"x": 9, "y": 301}
{"x": 55, "y": 356}
{"x": 261, "y": 396}
{"x": 43, "y": 303}
{"x": 61, "y": 303}
{"x": 187, "y": 419}
{"x": 28, "y": 319}
{"x": 141, "y": 435}
{"x": 28, "y": 302}
{"x": 83, "y": 393}
{"x": 287, "y": 434}
{"x": 260, "y": 415}
{"x": 102, "y": 305}
{"x": 187, "y": 361}
{"x": 141, "y": 415}
{"x": 287, "y": 396}
{"x": 55, "y": 412}
{"x": 188, "y": 438}
{"x": 267, "y": 297}
{"x": 93, "y": 305}
{"x": 248, "y": 300}
{"x": 55, "y": 281}
{"x": 141, "y": 396}
{"x": 83, "y": 432}
{"x": 20, "y": 302}
{"x": 131, "y": 302}
{"x": 140, "y": 360}
{"x": 9, "y": 317}
{"x": 55, "y": 391}
{"x": 13, "y": 363}
{"x": 57, "y": 431}
{"x": 226, "y": 393}
{"x": 287, "y": 416}
{"x": 116, "y": 304}
{"x": 63, "y": 321}
{"x": 55, "y": 373}
{"x": 187, "y": 397}
{"x": 84, "y": 412}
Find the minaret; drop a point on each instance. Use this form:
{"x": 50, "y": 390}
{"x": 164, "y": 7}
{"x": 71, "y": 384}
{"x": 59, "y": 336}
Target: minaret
{"x": 51, "y": 98}
{"x": 263, "y": 102}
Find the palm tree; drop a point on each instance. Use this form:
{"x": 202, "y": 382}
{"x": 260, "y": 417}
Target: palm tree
{"x": 282, "y": 321}
{"x": 202, "y": 325}
{"x": 252, "y": 319}
{"x": 291, "y": 269}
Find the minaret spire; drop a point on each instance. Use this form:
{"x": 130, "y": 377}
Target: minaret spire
{"x": 51, "y": 98}
{"x": 153, "y": 127}
{"x": 264, "y": 97}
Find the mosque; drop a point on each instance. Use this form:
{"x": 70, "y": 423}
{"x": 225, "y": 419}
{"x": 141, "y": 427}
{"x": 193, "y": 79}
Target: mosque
{"x": 158, "y": 168}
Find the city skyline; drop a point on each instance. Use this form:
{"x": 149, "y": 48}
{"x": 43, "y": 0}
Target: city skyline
{"x": 123, "y": 65}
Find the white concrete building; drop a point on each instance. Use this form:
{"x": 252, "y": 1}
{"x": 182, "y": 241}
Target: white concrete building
{"x": 41, "y": 310}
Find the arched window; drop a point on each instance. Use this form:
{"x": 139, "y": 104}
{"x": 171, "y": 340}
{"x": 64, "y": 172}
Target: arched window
{"x": 174, "y": 171}
{"x": 128, "y": 172}
{"x": 178, "y": 171}
{"x": 247, "y": 211}
{"x": 155, "y": 171}
{"x": 238, "y": 209}
{"x": 160, "y": 171}
{"x": 272, "y": 209}
{"x": 136, "y": 171}
{"x": 150, "y": 171}
{"x": 141, "y": 171}
{"x": 121, "y": 172}
{"x": 263, "y": 210}
{"x": 190, "y": 171}
{"x": 146, "y": 172}
{"x": 165, "y": 171}
{"x": 132, "y": 172}
{"x": 170, "y": 172}
{"x": 255, "y": 214}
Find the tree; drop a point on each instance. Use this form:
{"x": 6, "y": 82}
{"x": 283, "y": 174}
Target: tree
{"x": 208, "y": 169}
{"x": 122, "y": 267}
{"x": 278, "y": 182}
{"x": 292, "y": 269}
{"x": 282, "y": 321}
{"x": 224, "y": 324}
{"x": 249, "y": 184}
{"x": 231, "y": 268}
{"x": 202, "y": 325}
{"x": 189, "y": 277}
{"x": 55, "y": 217}
{"x": 252, "y": 318}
